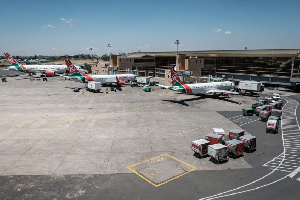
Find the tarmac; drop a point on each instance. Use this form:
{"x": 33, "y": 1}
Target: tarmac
{"x": 51, "y": 132}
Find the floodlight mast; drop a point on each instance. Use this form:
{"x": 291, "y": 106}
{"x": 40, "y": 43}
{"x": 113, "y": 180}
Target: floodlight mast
{"x": 177, "y": 43}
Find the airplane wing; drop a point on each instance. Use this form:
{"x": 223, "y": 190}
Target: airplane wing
{"x": 164, "y": 86}
{"x": 220, "y": 92}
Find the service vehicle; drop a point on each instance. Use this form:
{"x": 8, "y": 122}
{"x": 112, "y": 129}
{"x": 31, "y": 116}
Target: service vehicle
{"x": 276, "y": 96}
{"x": 250, "y": 87}
{"x": 249, "y": 142}
{"x": 217, "y": 153}
{"x": 272, "y": 124}
{"x": 248, "y": 111}
{"x": 146, "y": 88}
{"x": 143, "y": 80}
{"x": 200, "y": 147}
{"x": 234, "y": 148}
{"x": 93, "y": 86}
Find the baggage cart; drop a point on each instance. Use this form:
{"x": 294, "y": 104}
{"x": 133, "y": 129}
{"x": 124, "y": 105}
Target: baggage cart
{"x": 214, "y": 138}
{"x": 249, "y": 142}
{"x": 277, "y": 113}
{"x": 200, "y": 147}
{"x": 219, "y": 131}
{"x": 93, "y": 86}
{"x": 234, "y": 148}
{"x": 272, "y": 124}
{"x": 217, "y": 153}
{"x": 236, "y": 134}
{"x": 258, "y": 110}
{"x": 264, "y": 115}
{"x": 147, "y": 89}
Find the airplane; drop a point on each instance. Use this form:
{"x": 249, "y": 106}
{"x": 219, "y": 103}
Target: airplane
{"x": 201, "y": 88}
{"x": 45, "y": 70}
{"x": 119, "y": 79}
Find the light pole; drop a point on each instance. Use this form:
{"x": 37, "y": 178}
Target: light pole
{"x": 177, "y": 43}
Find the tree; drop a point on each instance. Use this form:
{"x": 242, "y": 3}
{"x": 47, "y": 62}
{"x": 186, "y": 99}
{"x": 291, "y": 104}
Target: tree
{"x": 105, "y": 57}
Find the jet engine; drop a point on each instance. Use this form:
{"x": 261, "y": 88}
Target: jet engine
{"x": 50, "y": 73}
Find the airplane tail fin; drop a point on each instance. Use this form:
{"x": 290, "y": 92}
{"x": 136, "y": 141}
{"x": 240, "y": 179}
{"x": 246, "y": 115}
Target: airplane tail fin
{"x": 10, "y": 59}
{"x": 176, "y": 82}
{"x": 71, "y": 68}
{"x": 120, "y": 83}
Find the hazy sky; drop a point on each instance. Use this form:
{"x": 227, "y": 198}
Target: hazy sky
{"x": 53, "y": 27}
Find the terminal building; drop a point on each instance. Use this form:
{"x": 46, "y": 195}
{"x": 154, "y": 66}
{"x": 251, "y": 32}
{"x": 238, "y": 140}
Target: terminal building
{"x": 274, "y": 67}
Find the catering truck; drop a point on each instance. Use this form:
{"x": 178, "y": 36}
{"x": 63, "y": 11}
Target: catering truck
{"x": 250, "y": 87}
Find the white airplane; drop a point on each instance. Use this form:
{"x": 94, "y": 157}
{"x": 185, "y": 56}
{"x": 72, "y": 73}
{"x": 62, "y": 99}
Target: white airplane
{"x": 201, "y": 88}
{"x": 119, "y": 79}
{"x": 47, "y": 70}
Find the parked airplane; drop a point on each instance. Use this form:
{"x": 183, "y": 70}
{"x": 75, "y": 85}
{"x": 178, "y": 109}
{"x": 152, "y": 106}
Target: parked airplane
{"x": 46, "y": 70}
{"x": 201, "y": 88}
{"x": 119, "y": 79}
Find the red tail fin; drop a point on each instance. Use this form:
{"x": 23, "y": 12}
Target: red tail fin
{"x": 175, "y": 77}
{"x": 120, "y": 83}
{"x": 10, "y": 59}
{"x": 71, "y": 68}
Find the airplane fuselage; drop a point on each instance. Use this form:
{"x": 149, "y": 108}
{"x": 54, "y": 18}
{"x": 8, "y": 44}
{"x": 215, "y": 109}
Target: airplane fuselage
{"x": 204, "y": 88}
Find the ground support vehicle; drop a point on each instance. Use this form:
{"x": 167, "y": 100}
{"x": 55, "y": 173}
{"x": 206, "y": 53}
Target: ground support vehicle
{"x": 113, "y": 89}
{"x": 200, "y": 147}
{"x": 219, "y": 131}
{"x": 234, "y": 148}
{"x": 217, "y": 153}
{"x": 143, "y": 80}
{"x": 236, "y": 134}
{"x": 249, "y": 142}
{"x": 214, "y": 138}
{"x": 147, "y": 89}
{"x": 272, "y": 124}
{"x": 258, "y": 110}
{"x": 93, "y": 86}
{"x": 134, "y": 84}
{"x": 277, "y": 113}
{"x": 154, "y": 83}
{"x": 248, "y": 112}
{"x": 250, "y": 87}
{"x": 264, "y": 115}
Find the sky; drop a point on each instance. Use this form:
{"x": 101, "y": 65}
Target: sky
{"x": 60, "y": 27}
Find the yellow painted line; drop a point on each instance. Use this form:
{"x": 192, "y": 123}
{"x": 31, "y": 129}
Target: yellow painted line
{"x": 157, "y": 185}
{"x": 79, "y": 118}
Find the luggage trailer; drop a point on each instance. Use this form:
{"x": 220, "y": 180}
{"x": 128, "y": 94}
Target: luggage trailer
{"x": 236, "y": 134}
{"x": 217, "y": 153}
{"x": 200, "y": 147}
{"x": 249, "y": 142}
{"x": 214, "y": 138}
{"x": 235, "y": 148}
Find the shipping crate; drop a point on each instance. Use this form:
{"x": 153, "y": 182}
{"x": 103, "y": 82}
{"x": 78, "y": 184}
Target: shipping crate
{"x": 214, "y": 138}
{"x": 200, "y": 147}
{"x": 236, "y": 134}
{"x": 249, "y": 142}
{"x": 219, "y": 131}
{"x": 235, "y": 148}
{"x": 217, "y": 153}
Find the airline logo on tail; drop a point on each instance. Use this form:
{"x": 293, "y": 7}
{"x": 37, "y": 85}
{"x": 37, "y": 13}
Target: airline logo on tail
{"x": 120, "y": 83}
{"x": 13, "y": 62}
{"x": 176, "y": 79}
{"x": 72, "y": 69}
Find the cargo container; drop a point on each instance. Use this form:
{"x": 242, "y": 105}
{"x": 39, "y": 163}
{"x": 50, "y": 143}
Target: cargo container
{"x": 143, "y": 80}
{"x": 249, "y": 142}
{"x": 219, "y": 131}
{"x": 277, "y": 113}
{"x": 272, "y": 124}
{"x": 258, "y": 110}
{"x": 94, "y": 86}
{"x": 200, "y": 147}
{"x": 250, "y": 87}
{"x": 234, "y": 148}
{"x": 217, "y": 153}
{"x": 214, "y": 138}
{"x": 236, "y": 134}
{"x": 264, "y": 115}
